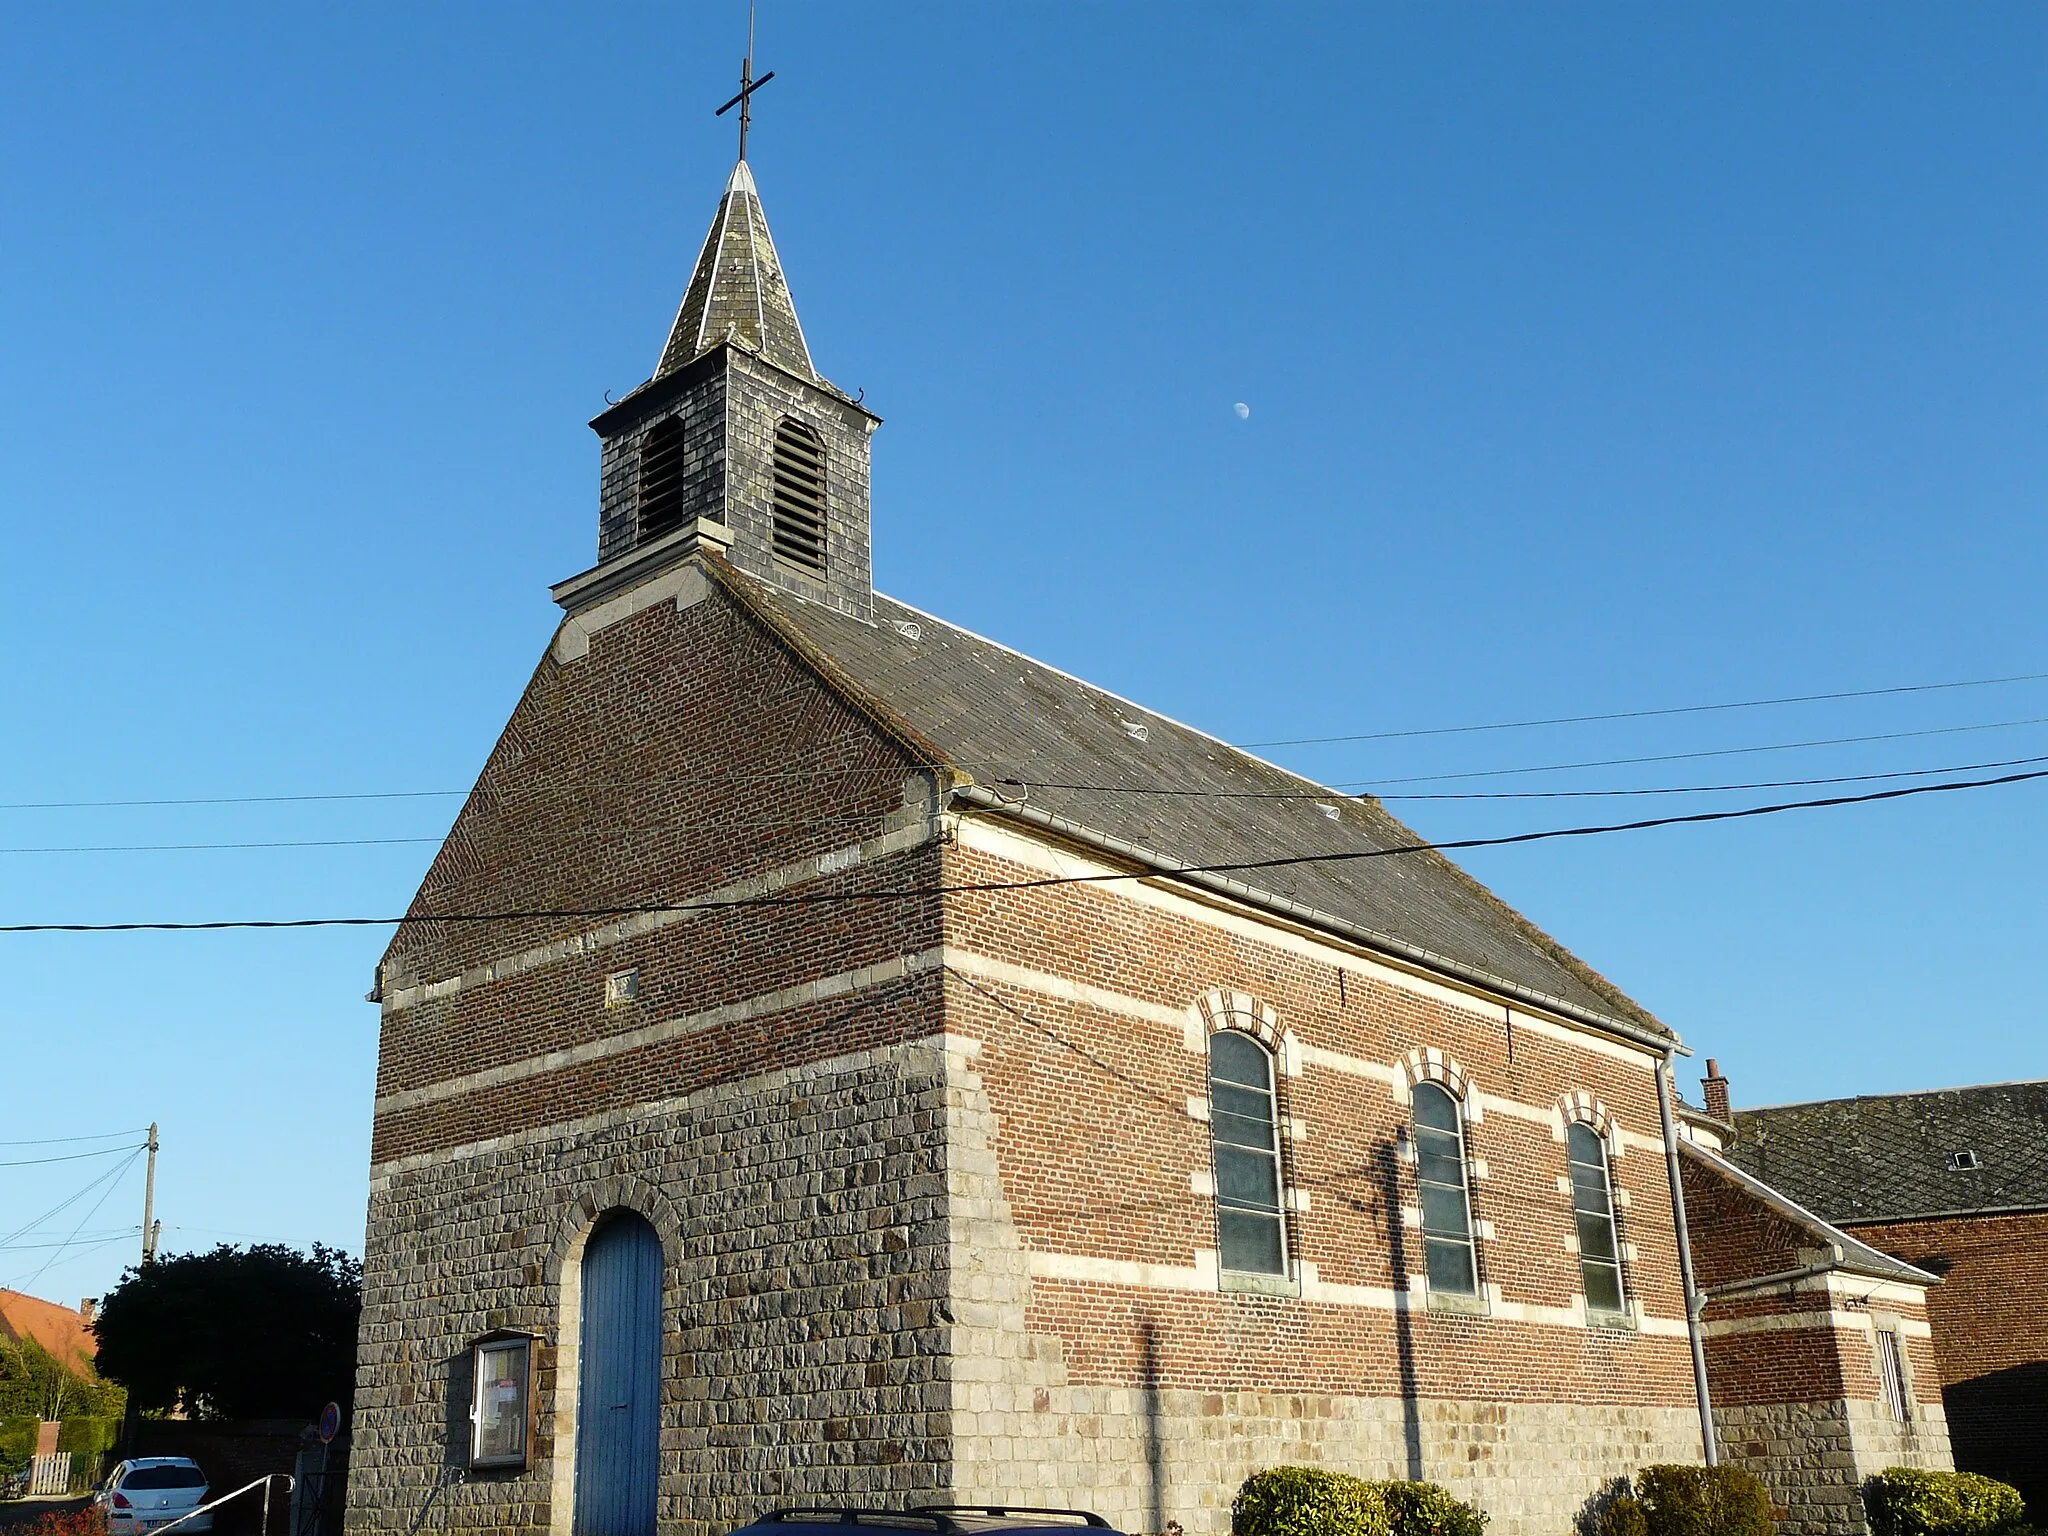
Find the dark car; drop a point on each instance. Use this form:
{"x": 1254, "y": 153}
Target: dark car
{"x": 923, "y": 1520}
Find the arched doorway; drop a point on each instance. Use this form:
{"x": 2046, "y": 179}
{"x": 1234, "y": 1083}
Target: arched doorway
{"x": 618, "y": 1415}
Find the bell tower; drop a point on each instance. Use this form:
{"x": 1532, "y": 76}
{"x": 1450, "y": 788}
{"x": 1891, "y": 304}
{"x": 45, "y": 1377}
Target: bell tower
{"x": 737, "y": 444}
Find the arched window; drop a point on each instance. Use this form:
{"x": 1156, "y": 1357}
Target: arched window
{"x": 1446, "y": 1200}
{"x": 1246, "y": 1148}
{"x": 800, "y": 496}
{"x": 1593, "y": 1205}
{"x": 618, "y": 1411}
{"x": 661, "y": 479}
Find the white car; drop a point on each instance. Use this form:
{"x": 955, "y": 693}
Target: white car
{"x": 151, "y": 1491}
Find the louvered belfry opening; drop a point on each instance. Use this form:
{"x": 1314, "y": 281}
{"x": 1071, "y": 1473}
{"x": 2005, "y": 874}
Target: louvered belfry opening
{"x": 799, "y": 496}
{"x": 662, "y": 503}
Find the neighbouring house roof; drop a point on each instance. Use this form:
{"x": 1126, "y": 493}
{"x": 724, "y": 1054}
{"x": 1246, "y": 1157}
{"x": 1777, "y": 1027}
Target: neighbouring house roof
{"x": 738, "y": 290}
{"x": 60, "y": 1330}
{"x": 1889, "y": 1157}
{"x": 1072, "y": 751}
{"x": 1857, "y": 1257}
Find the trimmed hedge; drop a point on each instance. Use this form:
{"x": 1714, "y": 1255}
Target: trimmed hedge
{"x": 1691, "y": 1501}
{"x": 1904, "y": 1501}
{"x": 1424, "y": 1509}
{"x": 1308, "y": 1501}
{"x": 1313, "y": 1501}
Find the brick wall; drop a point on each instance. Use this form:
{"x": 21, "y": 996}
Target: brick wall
{"x": 1990, "y": 1337}
{"x": 1088, "y": 1081}
{"x": 1793, "y": 1368}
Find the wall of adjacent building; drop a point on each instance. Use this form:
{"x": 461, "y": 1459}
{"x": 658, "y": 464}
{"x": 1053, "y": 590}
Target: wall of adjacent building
{"x": 1990, "y": 1335}
{"x": 1793, "y": 1369}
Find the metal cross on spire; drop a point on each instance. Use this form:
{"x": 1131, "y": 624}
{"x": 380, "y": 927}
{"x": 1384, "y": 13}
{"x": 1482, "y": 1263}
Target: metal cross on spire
{"x": 748, "y": 85}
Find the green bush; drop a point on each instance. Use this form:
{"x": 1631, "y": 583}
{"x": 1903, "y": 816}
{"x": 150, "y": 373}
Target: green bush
{"x": 1424, "y": 1509}
{"x": 90, "y": 1437}
{"x": 1703, "y": 1501}
{"x": 1622, "y": 1516}
{"x": 1308, "y": 1501}
{"x": 1904, "y": 1501}
{"x": 17, "y": 1443}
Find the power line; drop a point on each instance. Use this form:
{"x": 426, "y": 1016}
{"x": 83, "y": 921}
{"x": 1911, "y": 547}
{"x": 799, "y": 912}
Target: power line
{"x": 1682, "y": 757}
{"x": 1444, "y": 730}
{"x": 51, "y": 1141}
{"x": 1318, "y": 793}
{"x": 97, "y": 805}
{"x": 1646, "y": 714}
{"x": 1346, "y": 789}
{"x": 848, "y": 897}
{"x": 68, "y": 1157}
{"x": 324, "y": 842}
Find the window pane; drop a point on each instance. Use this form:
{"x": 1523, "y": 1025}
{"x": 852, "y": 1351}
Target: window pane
{"x": 1250, "y": 1243}
{"x": 1444, "y": 1212}
{"x": 1437, "y": 1160}
{"x": 1450, "y": 1267}
{"x": 1236, "y": 1058}
{"x": 1435, "y": 1108}
{"x": 1247, "y": 1179}
{"x": 1603, "y": 1286}
{"x": 1596, "y": 1237}
{"x": 1583, "y": 1143}
{"x": 1251, "y": 1103}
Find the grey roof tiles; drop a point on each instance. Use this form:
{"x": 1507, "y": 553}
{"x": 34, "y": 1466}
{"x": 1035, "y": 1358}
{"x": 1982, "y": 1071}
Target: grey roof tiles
{"x": 1069, "y": 749}
{"x": 1893, "y": 1156}
{"x": 738, "y": 290}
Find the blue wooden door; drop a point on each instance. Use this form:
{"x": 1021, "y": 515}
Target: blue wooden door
{"x": 618, "y": 1415}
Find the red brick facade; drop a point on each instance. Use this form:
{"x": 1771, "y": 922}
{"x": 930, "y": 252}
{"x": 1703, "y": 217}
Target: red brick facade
{"x": 1990, "y": 1336}
{"x": 1794, "y": 1367}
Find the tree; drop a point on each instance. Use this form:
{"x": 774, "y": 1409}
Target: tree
{"x": 35, "y": 1382}
{"x": 261, "y": 1332}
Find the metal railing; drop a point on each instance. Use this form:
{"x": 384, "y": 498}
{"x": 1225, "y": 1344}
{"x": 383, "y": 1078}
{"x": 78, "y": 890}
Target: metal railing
{"x": 262, "y": 1482}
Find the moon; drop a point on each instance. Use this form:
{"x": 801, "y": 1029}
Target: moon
{"x": 1244, "y": 412}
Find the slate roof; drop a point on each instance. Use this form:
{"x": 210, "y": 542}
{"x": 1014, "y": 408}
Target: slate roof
{"x": 1858, "y": 1257}
{"x": 1886, "y": 1157}
{"x": 738, "y": 289}
{"x": 996, "y": 715}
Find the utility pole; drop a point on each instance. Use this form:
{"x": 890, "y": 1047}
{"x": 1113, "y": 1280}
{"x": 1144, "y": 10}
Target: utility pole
{"x": 150, "y": 1225}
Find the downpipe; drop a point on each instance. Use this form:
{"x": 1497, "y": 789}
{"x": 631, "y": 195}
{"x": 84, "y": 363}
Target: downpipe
{"x": 1695, "y": 1299}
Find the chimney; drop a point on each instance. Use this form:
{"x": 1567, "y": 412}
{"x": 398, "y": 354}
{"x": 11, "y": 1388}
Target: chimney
{"x": 88, "y": 1308}
{"x": 1715, "y": 1087}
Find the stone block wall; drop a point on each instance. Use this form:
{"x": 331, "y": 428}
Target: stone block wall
{"x": 803, "y": 1215}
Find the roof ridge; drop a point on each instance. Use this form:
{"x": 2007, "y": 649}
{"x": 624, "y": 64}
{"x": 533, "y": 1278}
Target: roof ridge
{"x": 1904, "y": 1093}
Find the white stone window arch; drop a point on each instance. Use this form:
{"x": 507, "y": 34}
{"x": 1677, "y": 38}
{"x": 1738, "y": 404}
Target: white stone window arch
{"x": 1592, "y": 1144}
{"x": 1247, "y": 1056}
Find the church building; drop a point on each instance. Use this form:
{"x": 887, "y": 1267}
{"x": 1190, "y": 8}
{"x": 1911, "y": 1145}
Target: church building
{"x": 837, "y": 1057}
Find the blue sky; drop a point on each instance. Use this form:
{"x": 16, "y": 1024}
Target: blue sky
{"x": 1598, "y": 358}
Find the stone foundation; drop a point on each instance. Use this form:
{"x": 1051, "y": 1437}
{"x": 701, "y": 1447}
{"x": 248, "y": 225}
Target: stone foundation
{"x": 1815, "y": 1457}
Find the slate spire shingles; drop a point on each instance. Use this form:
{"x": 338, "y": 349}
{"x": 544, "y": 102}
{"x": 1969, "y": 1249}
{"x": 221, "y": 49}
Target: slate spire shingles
{"x": 738, "y": 290}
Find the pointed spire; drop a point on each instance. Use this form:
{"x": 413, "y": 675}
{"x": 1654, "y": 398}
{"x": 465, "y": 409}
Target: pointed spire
{"x": 738, "y": 290}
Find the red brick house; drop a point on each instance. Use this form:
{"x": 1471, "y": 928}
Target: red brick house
{"x": 870, "y": 1062}
{"x": 1954, "y": 1181}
